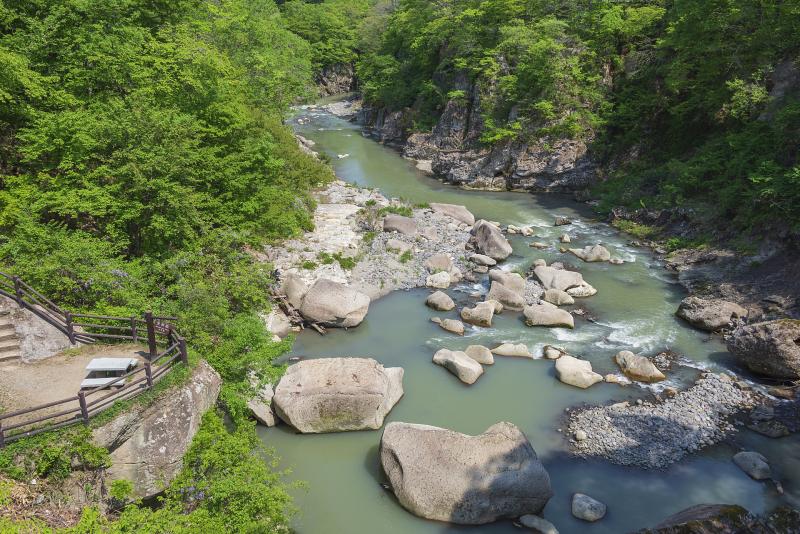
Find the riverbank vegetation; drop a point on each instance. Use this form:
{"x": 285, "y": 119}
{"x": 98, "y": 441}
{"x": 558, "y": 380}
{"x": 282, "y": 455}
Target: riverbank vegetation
{"x": 678, "y": 111}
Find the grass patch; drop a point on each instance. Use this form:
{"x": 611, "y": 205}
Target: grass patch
{"x": 677, "y": 243}
{"x": 309, "y": 265}
{"x": 405, "y": 211}
{"x": 641, "y": 231}
{"x": 405, "y": 256}
{"x": 345, "y": 262}
{"x": 369, "y": 237}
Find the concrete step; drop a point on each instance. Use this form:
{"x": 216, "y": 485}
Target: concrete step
{"x": 9, "y": 357}
{"x": 6, "y": 326}
{"x": 9, "y": 345}
{"x": 8, "y": 336}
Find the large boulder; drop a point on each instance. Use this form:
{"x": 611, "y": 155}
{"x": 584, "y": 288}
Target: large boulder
{"x": 438, "y": 263}
{"x": 638, "y": 367}
{"x": 517, "y": 350}
{"x": 459, "y": 213}
{"x": 509, "y": 299}
{"x": 480, "y": 315}
{"x": 575, "y": 372}
{"x": 480, "y": 354}
{"x": 484, "y": 261}
{"x": 333, "y": 304}
{"x": 465, "y": 368}
{"x": 490, "y": 241}
{"x": 337, "y": 394}
{"x": 558, "y": 297}
{"x": 592, "y": 253}
{"x": 754, "y": 464}
{"x": 261, "y": 406}
{"x": 470, "y": 480}
{"x": 147, "y": 444}
{"x": 513, "y": 281}
{"x": 439, "y": 280}
{"x": 545, "y": 314}
{"x": 770, "y": 348}
{"x": 278, "y": 323}
{"x": 293, "y": 286}
{"x": 709, "y": 314}
{"x": 453, "y": 326}
{"x": 440, "y": 301}
{"x": 569, "y": 281}
{"x": 398, "y": 223}
{"x": 587, "y": 508}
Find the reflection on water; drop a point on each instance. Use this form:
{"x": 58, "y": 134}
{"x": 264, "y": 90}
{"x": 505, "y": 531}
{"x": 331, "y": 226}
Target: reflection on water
{"x": 634, "y": 309}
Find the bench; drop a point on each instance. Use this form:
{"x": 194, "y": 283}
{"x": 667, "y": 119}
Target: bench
{"x": 103, "y": 371}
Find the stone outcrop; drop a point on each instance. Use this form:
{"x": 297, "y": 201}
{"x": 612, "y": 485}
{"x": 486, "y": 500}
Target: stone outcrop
{"x": 490, "y": 241}
{"x": 337, "y": 394}
{"x": 37, "y": 338}
{"x": 770, "y": 348}
{"x": 334, "y": 304}
{"x": 709, "y": 314}
{"x": 638, "y": 367}
{"x": 336, "y": 79}
{"x": 472, "y": 480}
{"x": 147, "y": 444}
{"x": 261, "y": 406}
{"x": 545, "y": 314}
{"x": 465, "y": 368}
{"x": 575, "y": 372}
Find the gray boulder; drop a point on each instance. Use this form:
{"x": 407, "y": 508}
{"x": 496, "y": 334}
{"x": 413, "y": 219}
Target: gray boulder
{"x": 638, "y": 367}
{"x": 709, "y": 314}
{"x": 398, "y": 246}
{"x": 518, "y": 350}
{"x": 440, "y": 301}
{"x": 446, "y": 476}
{"x": 459, "y": 213}
{"x": 558, "y": 297}
{"x": 147, "y": 444}
{"x": 398, "y": 223}
{"x": 553, "y": 353}
{"x": 587, "y": 508}
{"x": 546, "y": 314}
{"x": 480, "y": 315}
{"x": 509, "y": 299}
{"x": 570, "y": 370}
{"x": 538, "y": 524}
{"x": 770, "y": 348}
{"x": 513, "y": 281}
{"x": 569, "y": 281}
{"x": 278, "y": 323}
{"x": 592, "y": 253}
{"x": 438, "y": 263}
{"x": 484, "y": 261}
{"x": 333, "y": 304}
{"x": 465, "y": 368}
{"x": 261, "y": 406}
{"x": 440, "y": 280}
{"x": 754, "y": 464}
{"x": 294, "y": 288}
{"x": 337, "y": 394}
{"x": 451, "y": 325}
{"x": 480, "y": 354}
{"x": 490, "y": 241}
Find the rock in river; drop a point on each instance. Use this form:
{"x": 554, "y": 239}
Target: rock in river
{"x": 484, "y": 261}
{"x": 770, "y": 348}
{"x": 508, "y": 298}
{"x": 546, "y": 314}
{"x": 334, "y": 304}
{"x": 754, "y": 464}
{"x": 480, "y": 315}
{"x": 519, "y": 350}
{"x": 465, "y": 368}
{"x": 451, "y": 325}
{"x": 440, "y": 301}
{"x": 459, "y": 213}
{"x": 513, "y": 281}
{"x": 538, "y": 524}
{"x": 709, "y": 314}
{"x": 569, "y": 281}
{"x": 575, "y": 372}
{"x": 480, "y": 354}
{"x": 587, "y": 508}
{"x": 470, "y": 480}
{"x": 398, "y": 223}
{"x": 440, "y": 280}
{"x": 592, "y": 253}
{"x": 558, "y": 297}
{"x": 490, "y": 241}
{"x": 337, "y": 394}
{"x": 638, "y": 367}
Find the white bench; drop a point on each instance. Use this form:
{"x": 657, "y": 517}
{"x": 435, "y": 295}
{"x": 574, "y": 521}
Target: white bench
{"x": 103, "y": 371}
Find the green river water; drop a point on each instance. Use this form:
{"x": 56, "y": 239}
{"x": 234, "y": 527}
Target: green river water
{"x": 634, "y": 308}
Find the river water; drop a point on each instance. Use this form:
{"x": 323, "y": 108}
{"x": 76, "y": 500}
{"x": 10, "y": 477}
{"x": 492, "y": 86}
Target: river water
{"x": 634, "y": 309}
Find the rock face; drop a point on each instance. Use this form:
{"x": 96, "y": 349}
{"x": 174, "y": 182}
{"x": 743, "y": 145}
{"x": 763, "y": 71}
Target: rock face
{"x": 716, "y": 519}
{"x": 337, "y": 394}
{"x": 490, "y": 241}
{"x": 480, "y": 315}
{"x": 575, "y": 372}
{"x": 459, "y": 213}
{"x": 333, "y": 304}
{"x": 770, "y": 348}
{"x": 440, "y": 301}
{"x": 37, "y": 338}
{"x": 336, "y": 79}
{"x": 638, "y": 367}
{"x": 471, "y": 480}
{"x": 587, "y": 508}
{"x": 709, "y": 314}
{"x": 147, "y": 444}
{"x": 754, "y": 464}
{"x": 465, "y": 368}
{"x": 546, "y": 314}
{"x": 592, "y": 253}
{"x": 518, "y": 350}
{"x": 400, "y": 224}
{"x": 508, "y": 298}
{"x": 568, "y": 281}
{"x": 480, "y": 354}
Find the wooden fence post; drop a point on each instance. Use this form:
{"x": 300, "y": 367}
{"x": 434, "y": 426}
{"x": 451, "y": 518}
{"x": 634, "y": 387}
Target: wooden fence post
{"x": 182, "y": 348}
{"x": 148, "y": 371}
{"x": 70, "y": 328}
{"x": 151, "y": 334}
{"x": 84, "y": 409}
{"x": 18, "y": 291}
{"x": 134, "y": 334}
{"x": 2, "y": 436}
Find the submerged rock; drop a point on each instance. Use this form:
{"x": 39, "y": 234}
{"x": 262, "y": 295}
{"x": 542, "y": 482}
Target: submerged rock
{"x": 638, "y": 367}
{"x": 337, "y": 394}
{"x": 587, "y": 508}
{"x": 465, "y": 368}
{"x": 538, "y": 524}
{"x": 754, "y": 464}
{"x": 332, "y": 304}
{"x": 770, "y": 348}
{"x": 546, "y": 314}
{"x": 440, "y": 301}
{"x": 709, "y": 314}
{"x": 446, "y": 476}
{"x": 575, "y": 372}
{"x": 490, "y": 241}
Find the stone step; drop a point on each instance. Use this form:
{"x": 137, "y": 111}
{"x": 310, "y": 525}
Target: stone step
{"x": 9, "y": 345}
{"x": 9, "y": 356}
{"x": 6, "y": 326}
{"x": 8, "y": 336}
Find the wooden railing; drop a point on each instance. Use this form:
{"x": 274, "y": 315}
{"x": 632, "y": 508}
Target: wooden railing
{"x": 89, "y": 328}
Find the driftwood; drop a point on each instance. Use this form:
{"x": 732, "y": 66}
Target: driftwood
{"x": 294, "y": 316}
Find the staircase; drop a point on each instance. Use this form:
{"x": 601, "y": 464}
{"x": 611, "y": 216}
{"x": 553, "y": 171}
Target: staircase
{"x": 9, "y": 342}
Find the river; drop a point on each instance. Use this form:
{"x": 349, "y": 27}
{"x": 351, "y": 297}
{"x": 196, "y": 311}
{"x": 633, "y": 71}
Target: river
{"x": 634, "y": 308}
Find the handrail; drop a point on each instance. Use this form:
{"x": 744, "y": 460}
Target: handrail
{"x": 157, "y": 330}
